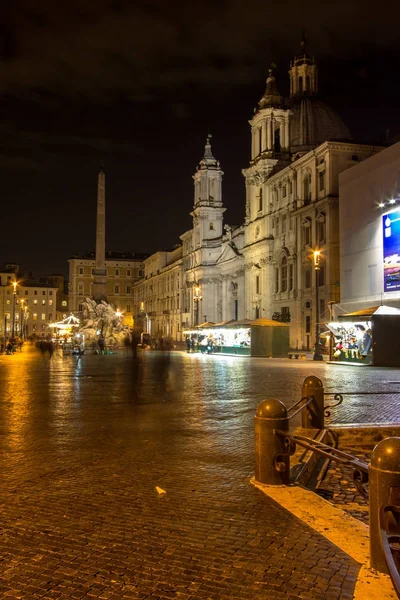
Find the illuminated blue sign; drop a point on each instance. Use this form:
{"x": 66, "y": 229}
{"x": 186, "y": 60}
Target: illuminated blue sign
{"x": 391, "y": 251}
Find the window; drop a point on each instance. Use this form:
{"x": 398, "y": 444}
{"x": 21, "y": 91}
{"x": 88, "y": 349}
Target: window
{"x": 34, "y": 316}
{"x": 35, "y": 293}
{"x": 93, "y": 271}
{"x": 50, "y": 316}
{"x": 276, "y": 281}
{"x": 26, "y": 292}
{"x": 35, "y": 302}
{"x": 43, "y": 317}
{"x": 50, "y": 293}
{"x": 321, "y": 228}
{"x": 300, "y": 85}
{"x": 284, "y": 274}
{"x": 33, "y": 327}
{"x": 284, "y": 224}
{"x": 128, "y": 289}
{"x": 321, "y": 178}
{"x": 8, "y": 301}
{"x": 307, "y": 278}
{"x": 260, "y": 200}
{"x": 290, "y": 188}
{"x": 116, "y": 272}
{"x": 116, "y": 289}
{"x": 140, "y": 273}
{"x": 43, "y": 293}
{"x": 64, "y": 303}
{"x": 128, "y": 272}
{"x": 307, "y": 232}
{"x": 307, "y": 188}
{"x": 284, "y": 191}
{"x": 80, "y": 307}
{"x": 257, "y": 284}
{"x": 80, "y": 270}
{"x": 43, "y": 302}
{"x": 277, "y": 227}
{"x": 308, "y": 324}
{"x": 290, "y": 277}
{"x": 277, "y": 140}
{"x": 50, "y": 302}
{"x": 211, "y": 226}
{"x": 128, "y": 308}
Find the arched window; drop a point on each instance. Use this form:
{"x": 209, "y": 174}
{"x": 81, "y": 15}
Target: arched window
{"x": 308, "y": 84}
{"x": 284, "y": 274}
{"x": 300, "y": 85}
{"x": 277, "y": 140}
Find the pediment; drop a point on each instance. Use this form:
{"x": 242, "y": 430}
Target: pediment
{"x": 228, "y": 253}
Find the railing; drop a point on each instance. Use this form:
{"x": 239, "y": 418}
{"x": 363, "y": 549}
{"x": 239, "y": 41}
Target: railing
{"x": 391, "y": 544}
{"x": 274, "y": 446}
{"x": 360, "y": 474}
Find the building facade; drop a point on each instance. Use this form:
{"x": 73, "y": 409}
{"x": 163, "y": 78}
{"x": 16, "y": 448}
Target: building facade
{"x": 202, "y": 279}
{"x": 27, "y": 307}
{"x": 370, "y": 233}
{"x": 123, "y": 269}
{"x": 266, "y": 267}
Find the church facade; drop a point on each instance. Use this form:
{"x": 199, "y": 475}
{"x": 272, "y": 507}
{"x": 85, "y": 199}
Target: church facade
{"x": 265, "y": 267}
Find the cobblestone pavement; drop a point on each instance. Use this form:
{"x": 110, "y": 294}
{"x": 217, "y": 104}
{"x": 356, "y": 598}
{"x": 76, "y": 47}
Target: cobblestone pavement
{"x": 338, "y": 487}
{"x": 83, "y": 445}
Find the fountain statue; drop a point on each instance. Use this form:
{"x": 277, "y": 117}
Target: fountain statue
{"x": 102, "y": 322}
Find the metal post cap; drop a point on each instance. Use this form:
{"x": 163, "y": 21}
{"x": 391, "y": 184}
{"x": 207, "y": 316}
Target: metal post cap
{"x": 386, "y": 455}
{"x": 271, "y": 409}
{"x": 313, "y": 382}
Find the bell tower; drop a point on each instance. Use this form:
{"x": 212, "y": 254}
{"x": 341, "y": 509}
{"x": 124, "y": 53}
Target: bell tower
{"x": 207, "y": 207}
{"x": 270, "y": 125}
{"x": 303, "y": 74}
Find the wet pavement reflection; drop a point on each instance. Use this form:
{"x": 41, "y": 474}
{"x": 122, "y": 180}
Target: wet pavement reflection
{"x": 85, "y": 441}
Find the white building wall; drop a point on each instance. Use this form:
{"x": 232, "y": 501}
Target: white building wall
{"x": 363, "y": 189}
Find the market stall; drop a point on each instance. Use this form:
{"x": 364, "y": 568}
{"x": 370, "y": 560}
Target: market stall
{"x": 368, "y": 336}
{"x": 261, "y": 337}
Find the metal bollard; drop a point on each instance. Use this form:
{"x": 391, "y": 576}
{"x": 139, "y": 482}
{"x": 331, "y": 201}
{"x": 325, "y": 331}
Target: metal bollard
{"x": 312, "y": 417}
{"x": 272, "y": 457}
{"x": 384, "y": 490}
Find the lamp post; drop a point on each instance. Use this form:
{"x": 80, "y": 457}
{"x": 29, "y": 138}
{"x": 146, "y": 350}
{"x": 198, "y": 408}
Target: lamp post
{"x": 21, "y": 318}
{"x": 317, "y": 350}
{"x": 14, "y": 283}
{"x": 330, "y": 304}
{"x": 196, "y": 300}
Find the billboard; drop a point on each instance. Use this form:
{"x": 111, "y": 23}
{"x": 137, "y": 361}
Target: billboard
{"x": 391, "y": 251}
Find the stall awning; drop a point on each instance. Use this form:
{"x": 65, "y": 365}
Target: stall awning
{"x": 268, "y": 323}
{"x": 366, "y": 313}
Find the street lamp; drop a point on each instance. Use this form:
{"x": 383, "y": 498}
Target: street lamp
{"x": 14, "y": 284}
{"x": 196, "y": 300}
{"x": 317, "y": 350}
{"x": 21, "y": 318}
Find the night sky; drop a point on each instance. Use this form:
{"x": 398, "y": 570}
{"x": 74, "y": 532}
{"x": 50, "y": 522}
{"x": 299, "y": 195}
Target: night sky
{"x": 138, "y": 85}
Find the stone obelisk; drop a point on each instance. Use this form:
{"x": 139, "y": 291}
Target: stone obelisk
{"x": 99, "y": 285}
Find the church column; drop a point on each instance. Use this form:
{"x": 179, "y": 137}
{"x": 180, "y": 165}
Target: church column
{"x": 253, "y": 143}
{"x": 287, "y": 141}
{"x": 268, "y": 126}
{"x": 264, "y": 136}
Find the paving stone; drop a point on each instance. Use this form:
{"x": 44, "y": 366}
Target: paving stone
{"x": 83, "y": 447}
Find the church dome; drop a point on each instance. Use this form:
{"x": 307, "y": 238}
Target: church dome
{"x": 314, "y": 122}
